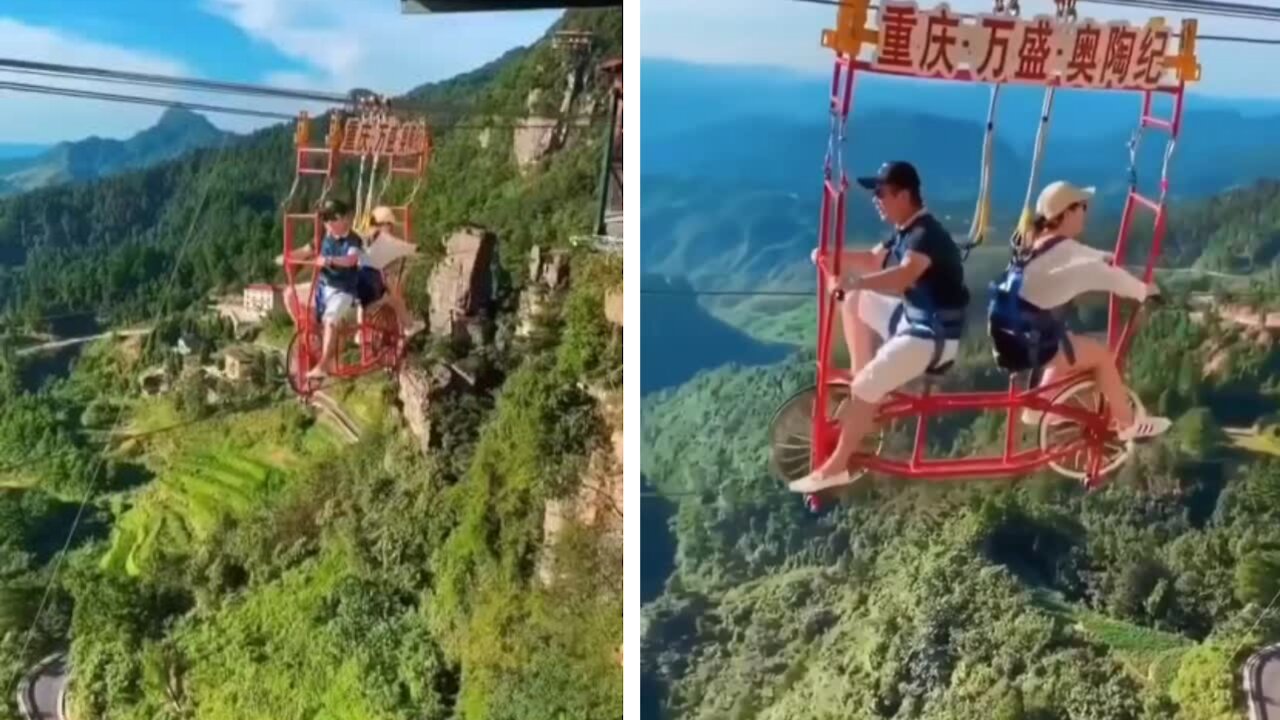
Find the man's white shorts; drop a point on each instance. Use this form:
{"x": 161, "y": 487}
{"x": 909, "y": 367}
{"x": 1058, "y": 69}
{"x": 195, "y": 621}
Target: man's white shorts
{"x": 337, "y": 304}
{"x": 900, "y": 359}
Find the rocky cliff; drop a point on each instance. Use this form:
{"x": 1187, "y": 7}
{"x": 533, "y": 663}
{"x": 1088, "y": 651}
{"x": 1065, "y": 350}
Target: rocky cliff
{"x": 461, "y": 286}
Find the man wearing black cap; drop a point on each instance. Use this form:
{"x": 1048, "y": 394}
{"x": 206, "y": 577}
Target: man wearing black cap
{"x": 339, "y": 262}
{"x": 910, "y": 291}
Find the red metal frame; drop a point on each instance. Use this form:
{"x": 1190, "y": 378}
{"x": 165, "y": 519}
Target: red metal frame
{"x": 381, "y": 344}
{"x": 922, "y": 406}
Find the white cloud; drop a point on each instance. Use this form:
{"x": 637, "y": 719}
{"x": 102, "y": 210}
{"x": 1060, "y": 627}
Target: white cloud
{"x": 340, "y": 44}
{"x": 371, "y": 44}
{"x": 45, "y": 119}
{"x": 32, "y": 118}
{"x": 786, "y": 33}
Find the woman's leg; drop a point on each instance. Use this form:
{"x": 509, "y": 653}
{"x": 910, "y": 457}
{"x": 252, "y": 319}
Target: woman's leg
{"x": 1094, "y": 356}
{"x": 402, "y": 313}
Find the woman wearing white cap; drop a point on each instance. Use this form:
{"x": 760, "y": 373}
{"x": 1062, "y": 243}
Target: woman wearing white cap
{"x": 372, "y": 283}
{"x": 1058, "y": 269}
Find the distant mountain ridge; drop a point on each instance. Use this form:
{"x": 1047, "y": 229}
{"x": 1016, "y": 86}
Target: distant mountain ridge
{"x": 733, "y": 163}
{"x": 680, "y": 95}
{"x": 176, "y": 132}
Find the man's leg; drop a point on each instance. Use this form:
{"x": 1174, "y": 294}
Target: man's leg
{"x": 855, "y": 323}
{"x": 336, "y": 306}
{"x": 864, "y": 313}
{"x": 900, "y": 360}
{"x": 857, "y": 419}
{"x": 326, "y": 352}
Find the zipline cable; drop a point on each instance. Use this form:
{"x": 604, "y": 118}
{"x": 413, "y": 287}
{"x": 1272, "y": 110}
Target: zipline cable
{"x": 138, "y": 100}
{"x": 222, "y": 109}
{"x": 404, "y": 103}
{"x": 173, "y": 81}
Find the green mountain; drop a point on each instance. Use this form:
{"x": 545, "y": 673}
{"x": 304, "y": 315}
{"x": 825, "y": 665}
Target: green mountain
{"x": 240, "y": 558}
{"x": 966, "y": 599}
{"x": 1007, "y": 598}
{"x": 788, "y": 155}
{"x": 177, "y": 132}
{"x": 679, "y": 338}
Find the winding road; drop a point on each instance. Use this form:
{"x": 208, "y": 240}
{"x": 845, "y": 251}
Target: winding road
{"x": 41, "y": 692}
{"x": 1262, "y": 684}
{"x": 68, "y": 342}
{"x": 333, "y": 409}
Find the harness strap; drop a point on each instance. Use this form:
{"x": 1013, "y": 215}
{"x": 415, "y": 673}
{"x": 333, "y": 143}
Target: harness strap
{"x": 1067, "y": 348}
{"x": 937, "y": 325}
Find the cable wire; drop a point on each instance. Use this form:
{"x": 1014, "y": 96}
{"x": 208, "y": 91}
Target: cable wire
{"x": 726, "y": 293}
{"x": 138, "y": 100}
{"x": 31, "y": 461}
{"x": 404, "y": 103}
{"x": 223, "y": 109}
{"x": 812, "y": 293}
{"x": 174, "y": 81}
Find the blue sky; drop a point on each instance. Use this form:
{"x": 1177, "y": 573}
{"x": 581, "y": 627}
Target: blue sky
{"x": 321, "y": 44}
{"x": 785, "y": 33}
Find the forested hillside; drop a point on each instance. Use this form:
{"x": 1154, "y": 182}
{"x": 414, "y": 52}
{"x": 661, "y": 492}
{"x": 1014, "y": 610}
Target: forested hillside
{"x": 977, "y": 599}
{"x": 241, "y": 558}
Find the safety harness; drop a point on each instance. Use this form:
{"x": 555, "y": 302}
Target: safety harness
{"x": 923, "y": 318}
{"x": 1023, "y": 336}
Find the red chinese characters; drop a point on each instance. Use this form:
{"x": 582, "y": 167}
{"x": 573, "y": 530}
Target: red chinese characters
{"x": 1001, "y": 48}
{"x": 897, "y": 23}
{"x": 940, "y": 37}
{"x": 380, "y": 138}
{"x": 1119, "y": 56}
{"x": 412, "y": 139}
{"x": 1033, "y": 54}
{"x": 354, "y": 137}
{"x": 1150, "y": 63}
{"x": 1083, "y": 66}
{"x": 998, "y": 33}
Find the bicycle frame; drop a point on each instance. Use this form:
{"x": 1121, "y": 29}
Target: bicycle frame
{"x": 406, "y": 149}
{"x": 900, "y": 405}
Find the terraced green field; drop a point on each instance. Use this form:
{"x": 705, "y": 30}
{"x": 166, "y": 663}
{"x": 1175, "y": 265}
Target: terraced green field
{"x": 186, "y": 504}
{"x": 206, "y": 473}
{"x": 1151, "y": 655}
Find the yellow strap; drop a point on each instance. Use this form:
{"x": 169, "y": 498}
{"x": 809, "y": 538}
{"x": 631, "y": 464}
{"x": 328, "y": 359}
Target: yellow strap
{"x": 1026, "y": 227}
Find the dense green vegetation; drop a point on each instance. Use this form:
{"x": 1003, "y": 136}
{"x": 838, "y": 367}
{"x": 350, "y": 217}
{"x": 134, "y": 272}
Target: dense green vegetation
{"x": 974, "y": 599}
{"x": 239, "y": 559}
